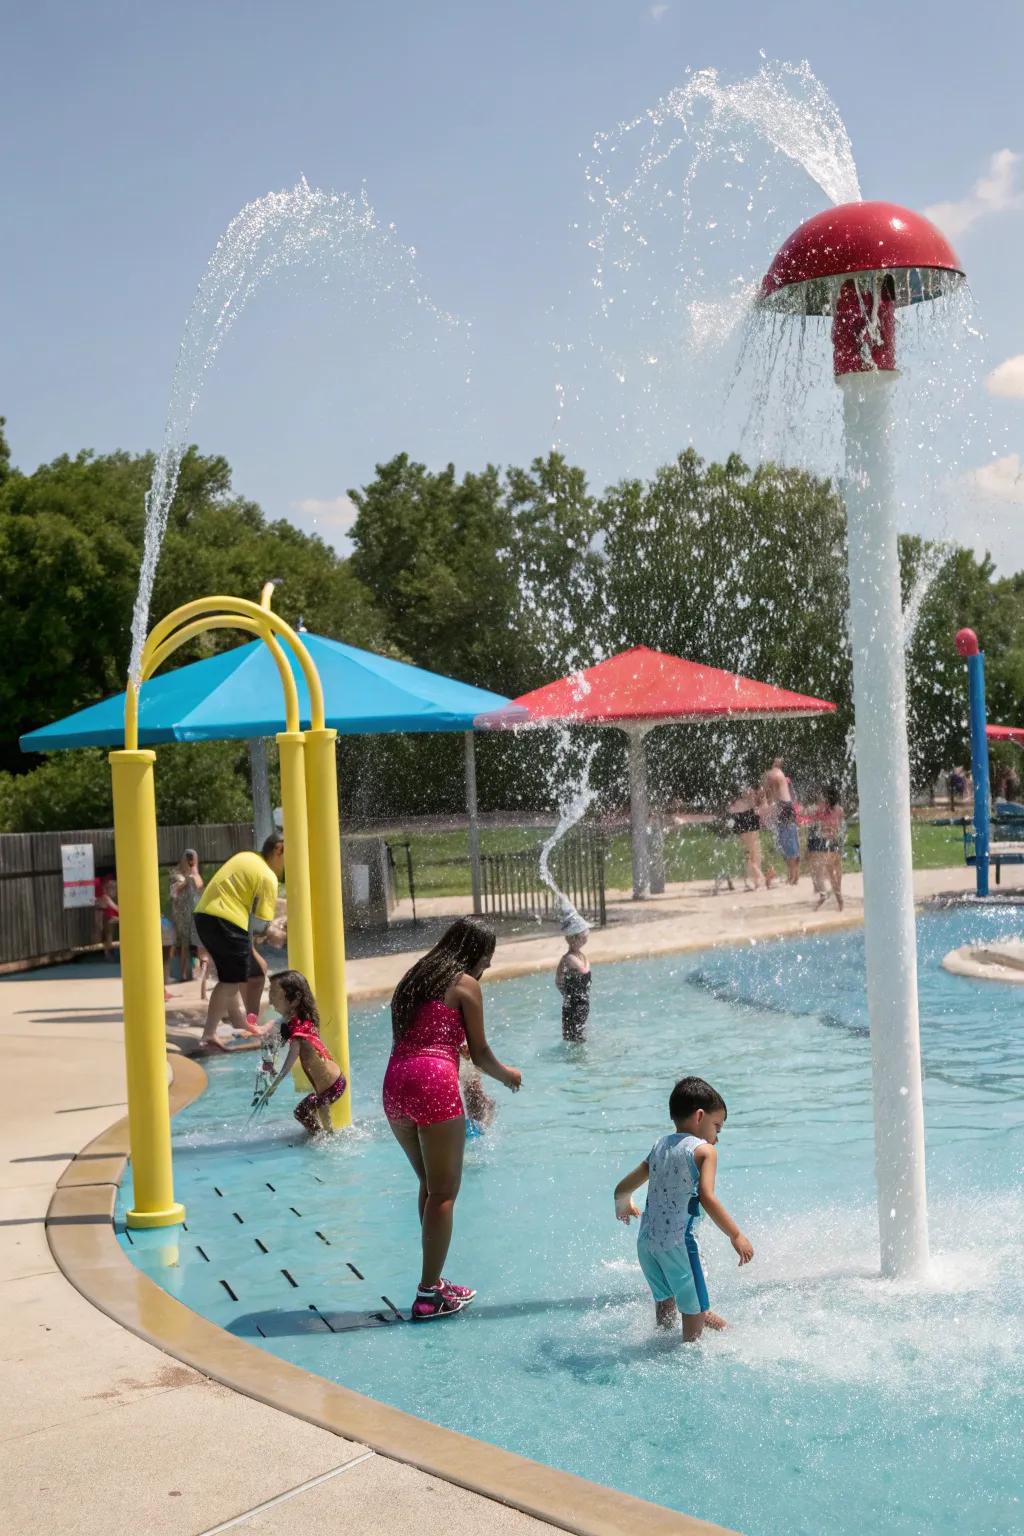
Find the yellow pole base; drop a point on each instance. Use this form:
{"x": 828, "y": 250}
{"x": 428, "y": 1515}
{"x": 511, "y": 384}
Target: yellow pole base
{"x": 144, "y": 1220}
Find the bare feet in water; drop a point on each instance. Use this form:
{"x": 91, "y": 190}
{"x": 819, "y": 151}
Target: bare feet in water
{"x": 712, "y": 1320}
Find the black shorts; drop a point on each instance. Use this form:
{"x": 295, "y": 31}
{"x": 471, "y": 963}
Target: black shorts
{"x": 230, "y": 948}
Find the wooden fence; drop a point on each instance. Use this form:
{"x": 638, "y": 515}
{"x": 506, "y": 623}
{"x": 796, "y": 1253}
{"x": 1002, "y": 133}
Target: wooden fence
{"x": 34, "y": 924}
{"x": 510, "y": 883}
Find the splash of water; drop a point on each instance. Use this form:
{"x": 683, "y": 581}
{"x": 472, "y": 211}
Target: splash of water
{"x": 303, "y": 227}
{"x": 933, "y": 559}
{"x": 783, "y": 110}
{"x": 577, "y": 800}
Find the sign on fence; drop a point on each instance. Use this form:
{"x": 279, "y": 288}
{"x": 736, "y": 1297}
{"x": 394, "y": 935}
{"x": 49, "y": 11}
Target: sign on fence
{"x": 79, "y": 872}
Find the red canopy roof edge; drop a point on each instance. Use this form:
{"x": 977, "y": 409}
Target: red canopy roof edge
{"x": 641, "y": 686}
{"x": 1014, "y": 733}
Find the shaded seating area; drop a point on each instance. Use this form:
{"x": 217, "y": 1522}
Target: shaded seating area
{"x": 635, "y": 692}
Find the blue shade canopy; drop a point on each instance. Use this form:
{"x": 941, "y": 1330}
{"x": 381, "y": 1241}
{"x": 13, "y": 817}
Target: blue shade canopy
{"x": 237, "y": 695}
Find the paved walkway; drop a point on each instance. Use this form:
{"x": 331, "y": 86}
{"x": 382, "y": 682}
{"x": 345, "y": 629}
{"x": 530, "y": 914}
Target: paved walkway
{"x": 101, "y": 1432}
{"x": 687, "y": 917}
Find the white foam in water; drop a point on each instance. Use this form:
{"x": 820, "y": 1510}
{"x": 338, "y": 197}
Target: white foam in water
{"x": 303, "y": 227}
{"x": 818, "y": 1306}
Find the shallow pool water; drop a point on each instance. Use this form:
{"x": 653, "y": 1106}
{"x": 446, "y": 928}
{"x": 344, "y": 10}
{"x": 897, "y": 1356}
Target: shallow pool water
{"x": 835, "y": 1403}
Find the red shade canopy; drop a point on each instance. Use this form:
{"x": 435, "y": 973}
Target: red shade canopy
{"x": 860, "y": 237}
{"x": 645, "y": 687}
{"x": 1014, "y": 733}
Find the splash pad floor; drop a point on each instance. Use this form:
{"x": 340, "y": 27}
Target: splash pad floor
{"x": 827, "y": 1407}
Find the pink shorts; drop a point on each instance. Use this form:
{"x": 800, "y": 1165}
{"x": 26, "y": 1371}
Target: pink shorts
{"x": 422, "y": 1088}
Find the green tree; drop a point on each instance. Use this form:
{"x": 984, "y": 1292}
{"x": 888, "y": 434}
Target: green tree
{"x": 5, "y": 452}
{"x": 741, "y": 570}
{"x": 431, "y": 551}
{"x": 70, "y": 547}
{"x": 195, "y": 782}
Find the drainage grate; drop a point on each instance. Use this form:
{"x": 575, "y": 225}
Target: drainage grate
{"x": 229, "y": 1290}
{"x": 356, "y": 1272}
{"x": 202, "y": 1254}
{"x": 288, "y": 1277}
{"x": 261, "y": 1245}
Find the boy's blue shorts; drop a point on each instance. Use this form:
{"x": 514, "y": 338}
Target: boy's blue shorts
{"x": 788, "y": 839}
{"x": 676, "y": 1274}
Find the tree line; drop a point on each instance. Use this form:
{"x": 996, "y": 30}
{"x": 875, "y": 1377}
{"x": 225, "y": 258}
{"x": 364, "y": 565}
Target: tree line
{"x": 506, "y": 578}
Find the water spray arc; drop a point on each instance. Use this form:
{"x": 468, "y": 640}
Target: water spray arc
{"x": 309, "y": 793}
{"x": 857, "y": 263}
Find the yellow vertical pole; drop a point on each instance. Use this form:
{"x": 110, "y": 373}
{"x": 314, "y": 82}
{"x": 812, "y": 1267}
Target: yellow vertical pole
{"x": 328, "y": 921}
{"x": 142, "y": 980}
{"x": 301, "y": 955}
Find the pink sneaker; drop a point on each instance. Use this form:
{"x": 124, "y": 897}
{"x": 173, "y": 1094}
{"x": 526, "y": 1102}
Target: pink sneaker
{"x": 461, "y": 1293}
{"x": 433, "y": 1303}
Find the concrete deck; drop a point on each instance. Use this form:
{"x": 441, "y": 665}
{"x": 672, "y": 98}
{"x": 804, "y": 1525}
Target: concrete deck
{"x": 101, "y": 1431}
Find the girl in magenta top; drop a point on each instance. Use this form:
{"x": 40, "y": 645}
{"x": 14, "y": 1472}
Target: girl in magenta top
{"x": 436, "y": 1006}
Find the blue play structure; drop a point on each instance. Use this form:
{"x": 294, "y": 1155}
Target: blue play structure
{"x": 988, "y": 839}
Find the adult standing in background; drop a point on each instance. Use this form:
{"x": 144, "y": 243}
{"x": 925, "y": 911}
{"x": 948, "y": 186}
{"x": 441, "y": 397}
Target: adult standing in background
{"x": 787, "y": 834}
{"x": 186, "y": 889}
{"x": 240, "y": 898}
{"x": 744, "y": 817}
{"x": 825, "y": 845}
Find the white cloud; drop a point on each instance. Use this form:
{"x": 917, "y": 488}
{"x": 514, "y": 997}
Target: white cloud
{"x": 331, "y": 517}
{"x": 1001, "y": 480}
{"x": 994, "y": 192}
{"x": 1007, "y": 380}
{"x": 658, "y": 11}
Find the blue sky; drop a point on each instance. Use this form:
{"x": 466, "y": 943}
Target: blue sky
{"x": 134, "y": 134}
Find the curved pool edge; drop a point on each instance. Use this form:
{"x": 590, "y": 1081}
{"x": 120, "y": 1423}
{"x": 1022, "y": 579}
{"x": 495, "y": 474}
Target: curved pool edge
{"x": 80, "y": 1232}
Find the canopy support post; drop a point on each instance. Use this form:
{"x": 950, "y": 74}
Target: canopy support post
{"x": 474, "y": 822}
{"x": 259, "y": 778}
{"x": 638, "y": 814}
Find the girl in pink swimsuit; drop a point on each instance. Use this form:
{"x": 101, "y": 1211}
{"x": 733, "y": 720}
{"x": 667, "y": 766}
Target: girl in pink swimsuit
{"x": 436, "y": 1006}
{"x": 300, "y": 1030}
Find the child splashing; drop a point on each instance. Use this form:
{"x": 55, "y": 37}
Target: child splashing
{"x": 573, "y": 976}
{"x": 679, "y": 1172}
{"x": 300, "y": 1030}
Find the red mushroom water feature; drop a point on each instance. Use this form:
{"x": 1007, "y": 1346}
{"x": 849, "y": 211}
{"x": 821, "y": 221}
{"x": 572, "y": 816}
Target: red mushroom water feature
{"x": 859, "y": 263}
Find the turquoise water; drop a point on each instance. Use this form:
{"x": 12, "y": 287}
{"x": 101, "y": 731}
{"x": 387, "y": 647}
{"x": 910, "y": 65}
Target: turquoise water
{"x": 836, "y": 1402}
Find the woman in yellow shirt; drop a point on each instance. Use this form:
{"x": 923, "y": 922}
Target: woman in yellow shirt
{"x": 242, "y": 895}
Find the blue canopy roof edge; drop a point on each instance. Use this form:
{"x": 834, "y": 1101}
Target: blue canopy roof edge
{"x": 236, "y": 695}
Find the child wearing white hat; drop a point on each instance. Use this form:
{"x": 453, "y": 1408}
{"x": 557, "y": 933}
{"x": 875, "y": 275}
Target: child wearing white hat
{"x": 572, "y": 978}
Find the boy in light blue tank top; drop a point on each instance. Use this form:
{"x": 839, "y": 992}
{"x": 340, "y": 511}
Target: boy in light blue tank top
{"x": 679, "y": 1173}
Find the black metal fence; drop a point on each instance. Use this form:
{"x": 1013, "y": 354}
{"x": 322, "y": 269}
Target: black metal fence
{"x": 510, "y": 883}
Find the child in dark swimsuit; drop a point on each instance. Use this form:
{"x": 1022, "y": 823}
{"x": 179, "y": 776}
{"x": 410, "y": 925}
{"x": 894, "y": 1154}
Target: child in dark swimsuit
{"x": 572, "y": 978}
{"x": 300, "y": 1030}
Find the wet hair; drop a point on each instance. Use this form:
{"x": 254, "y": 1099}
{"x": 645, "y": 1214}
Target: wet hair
{"x": 832, "y": 796}
{"x": 459, "y": 949}
{"x": 299, "y": 996}
{"x": 271, "y": 844}
{"x": 692, "y": 1093}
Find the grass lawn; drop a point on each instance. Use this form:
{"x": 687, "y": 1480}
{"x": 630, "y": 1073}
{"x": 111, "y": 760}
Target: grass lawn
{"x": 441, "y": 859}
